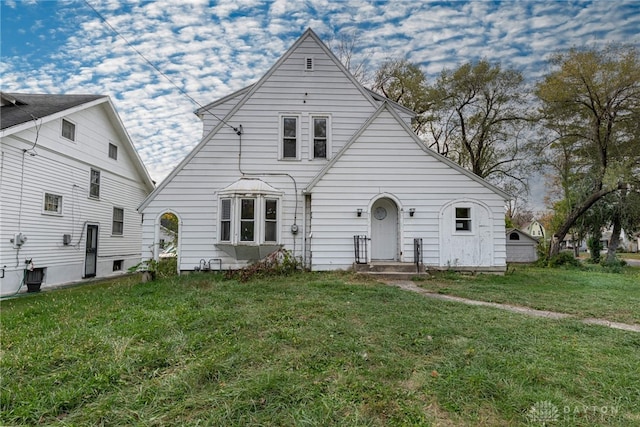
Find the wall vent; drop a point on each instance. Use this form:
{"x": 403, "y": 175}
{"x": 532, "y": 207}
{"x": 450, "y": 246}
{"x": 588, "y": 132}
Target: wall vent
{"x": 308, "y": 64}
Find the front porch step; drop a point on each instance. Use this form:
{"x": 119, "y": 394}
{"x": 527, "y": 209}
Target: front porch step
{"x": 390, "y": 270}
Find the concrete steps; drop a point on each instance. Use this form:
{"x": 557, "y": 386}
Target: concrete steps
{"x": 388, "y": 270}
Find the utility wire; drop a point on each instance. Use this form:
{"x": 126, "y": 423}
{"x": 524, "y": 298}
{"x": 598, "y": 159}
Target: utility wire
{"x": 235, "y": 129}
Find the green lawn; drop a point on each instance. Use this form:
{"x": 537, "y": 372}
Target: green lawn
{"x": 588, "y": 292}
{"x": 312, "y": 349}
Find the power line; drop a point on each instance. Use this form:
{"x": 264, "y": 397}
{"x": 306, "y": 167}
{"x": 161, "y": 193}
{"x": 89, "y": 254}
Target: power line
{"x": 235, "y": 129}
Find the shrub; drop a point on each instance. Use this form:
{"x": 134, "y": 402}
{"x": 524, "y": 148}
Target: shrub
{"x": 563, "y": 259}
{"x": 278, "y": 263}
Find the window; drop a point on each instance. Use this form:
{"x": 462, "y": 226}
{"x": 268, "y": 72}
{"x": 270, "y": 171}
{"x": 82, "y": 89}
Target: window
{"x": 225, "y": 220}
{"x": 319, "y": 138}
{"x": 271, "y": 220}
{"x": 248, "y": 215}
{"x": 113, "y": 151}
{"x": 118, "y": 222}
{"x": 94, "y": 184}
{"x": 68, "y": 130}
{"x": 117, "y": 265}
{"x": 514, "y": 236}
{"x": 463, "y": 219}
{"x": 247, "y": 220}
{"x": 52, "y": 203}
{"x": 289, "y": 137}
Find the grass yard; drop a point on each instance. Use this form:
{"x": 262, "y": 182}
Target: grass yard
{"x": 311, "y": 349}
{"x": 585, "y": 292}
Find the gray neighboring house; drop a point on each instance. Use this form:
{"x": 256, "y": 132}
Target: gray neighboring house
{"x": 70, "y": 183}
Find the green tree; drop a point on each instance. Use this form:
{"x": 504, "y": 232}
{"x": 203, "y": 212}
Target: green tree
{"x": 404, "y": 82}
{"x": 591, "y": 104}
{"x": 479, "y": 117}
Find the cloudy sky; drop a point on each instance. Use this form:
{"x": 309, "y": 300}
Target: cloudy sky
{"x": 211, "y": 48}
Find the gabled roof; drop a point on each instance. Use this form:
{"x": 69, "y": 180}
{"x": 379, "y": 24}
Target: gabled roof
{"x": 249, "y": 93}
{"x": 386, "y": 106}
{"x": 522, "y": 233}
{"x": 18, "y": 108}
{"x": 20, "y": 111}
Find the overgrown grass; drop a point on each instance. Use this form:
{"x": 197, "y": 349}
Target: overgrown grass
{"x": 586, "y": 292}
{"x": 310, "y": 349}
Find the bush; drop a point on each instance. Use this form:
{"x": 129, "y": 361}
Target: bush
{"x": 278, "y": 263}
{"x": 563, "y": 259}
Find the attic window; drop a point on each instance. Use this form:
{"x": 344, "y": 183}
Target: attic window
{"x": 113, "y": 151}
{"x": 68, "y": 130}
{"x": 308, "y": 64}
{"x": 514, "y": 236}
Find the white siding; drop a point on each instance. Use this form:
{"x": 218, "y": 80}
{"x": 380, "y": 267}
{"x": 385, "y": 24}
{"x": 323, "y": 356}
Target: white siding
{"x": 383, "y": 162}
{"x": 192, "y": 191}
{"x": 62, "y": 167}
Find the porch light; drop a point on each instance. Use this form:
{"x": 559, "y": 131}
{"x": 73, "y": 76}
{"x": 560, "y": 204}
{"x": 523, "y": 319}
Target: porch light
{"x": 412, "y": 211}
{"x": 359, "y": 212}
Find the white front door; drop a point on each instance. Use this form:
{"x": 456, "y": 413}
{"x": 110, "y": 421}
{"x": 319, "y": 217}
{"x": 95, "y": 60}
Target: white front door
{"x": 384, "y": 230}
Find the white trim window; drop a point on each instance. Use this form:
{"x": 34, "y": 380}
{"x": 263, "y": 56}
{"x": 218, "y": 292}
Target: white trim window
{"x": 320, "y": 140}
{"x": 249, "y": 220}
{"x": 271, "y": 220}
{"x": 289, "y": 137}
{"x": 113, "y": 151}
{"x": 117, "y": 228}
{"x": 225, "y": 220}
{"x": 463, "y": 219}
{"x": 52, "y": 204}
{"x": 94, "y": 184}
{"x": 68, "y": 130}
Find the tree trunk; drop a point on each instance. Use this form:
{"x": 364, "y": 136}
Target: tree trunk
{"x": 558, "y": 237}
{"x": 615, "y": 239}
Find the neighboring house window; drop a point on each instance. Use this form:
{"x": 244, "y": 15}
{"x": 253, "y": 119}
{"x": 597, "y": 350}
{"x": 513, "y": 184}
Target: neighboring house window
{"x": 68, "y": 130}
{"x": 271, "y": 220}
{"x": 463, "y": 219}
{"x": 290, "y": 137}
{"x": 320, "y": 136}
{"x": 225, "y": 220}
{"x": 94, "y": 184}
{"x": 52, "y": 203}
{"x": 118, "y": 222}
{"x": 247, "y": 220}
{"x": 113, "y": 151}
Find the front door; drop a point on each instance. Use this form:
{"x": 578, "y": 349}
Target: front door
{"x": 384, "y": 230}
{"x": 91, "y": 254}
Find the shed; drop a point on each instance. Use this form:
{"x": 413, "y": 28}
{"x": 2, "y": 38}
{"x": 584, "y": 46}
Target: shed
{"x": 521, "y": 247}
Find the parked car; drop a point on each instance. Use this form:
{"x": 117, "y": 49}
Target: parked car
{"x": 169, "y": 252}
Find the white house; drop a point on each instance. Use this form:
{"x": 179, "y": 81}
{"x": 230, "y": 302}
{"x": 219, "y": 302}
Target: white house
{"x": 70, "y": 183}
{"x": 309, "y": 160}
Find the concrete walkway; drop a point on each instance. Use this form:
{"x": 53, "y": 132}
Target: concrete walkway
{"x": 411, "y": 286}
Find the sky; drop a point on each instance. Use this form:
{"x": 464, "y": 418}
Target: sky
{"x": 209, "y": 49}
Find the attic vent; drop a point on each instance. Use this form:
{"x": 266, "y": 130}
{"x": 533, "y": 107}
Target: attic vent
{"x": 308, "y": 64}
